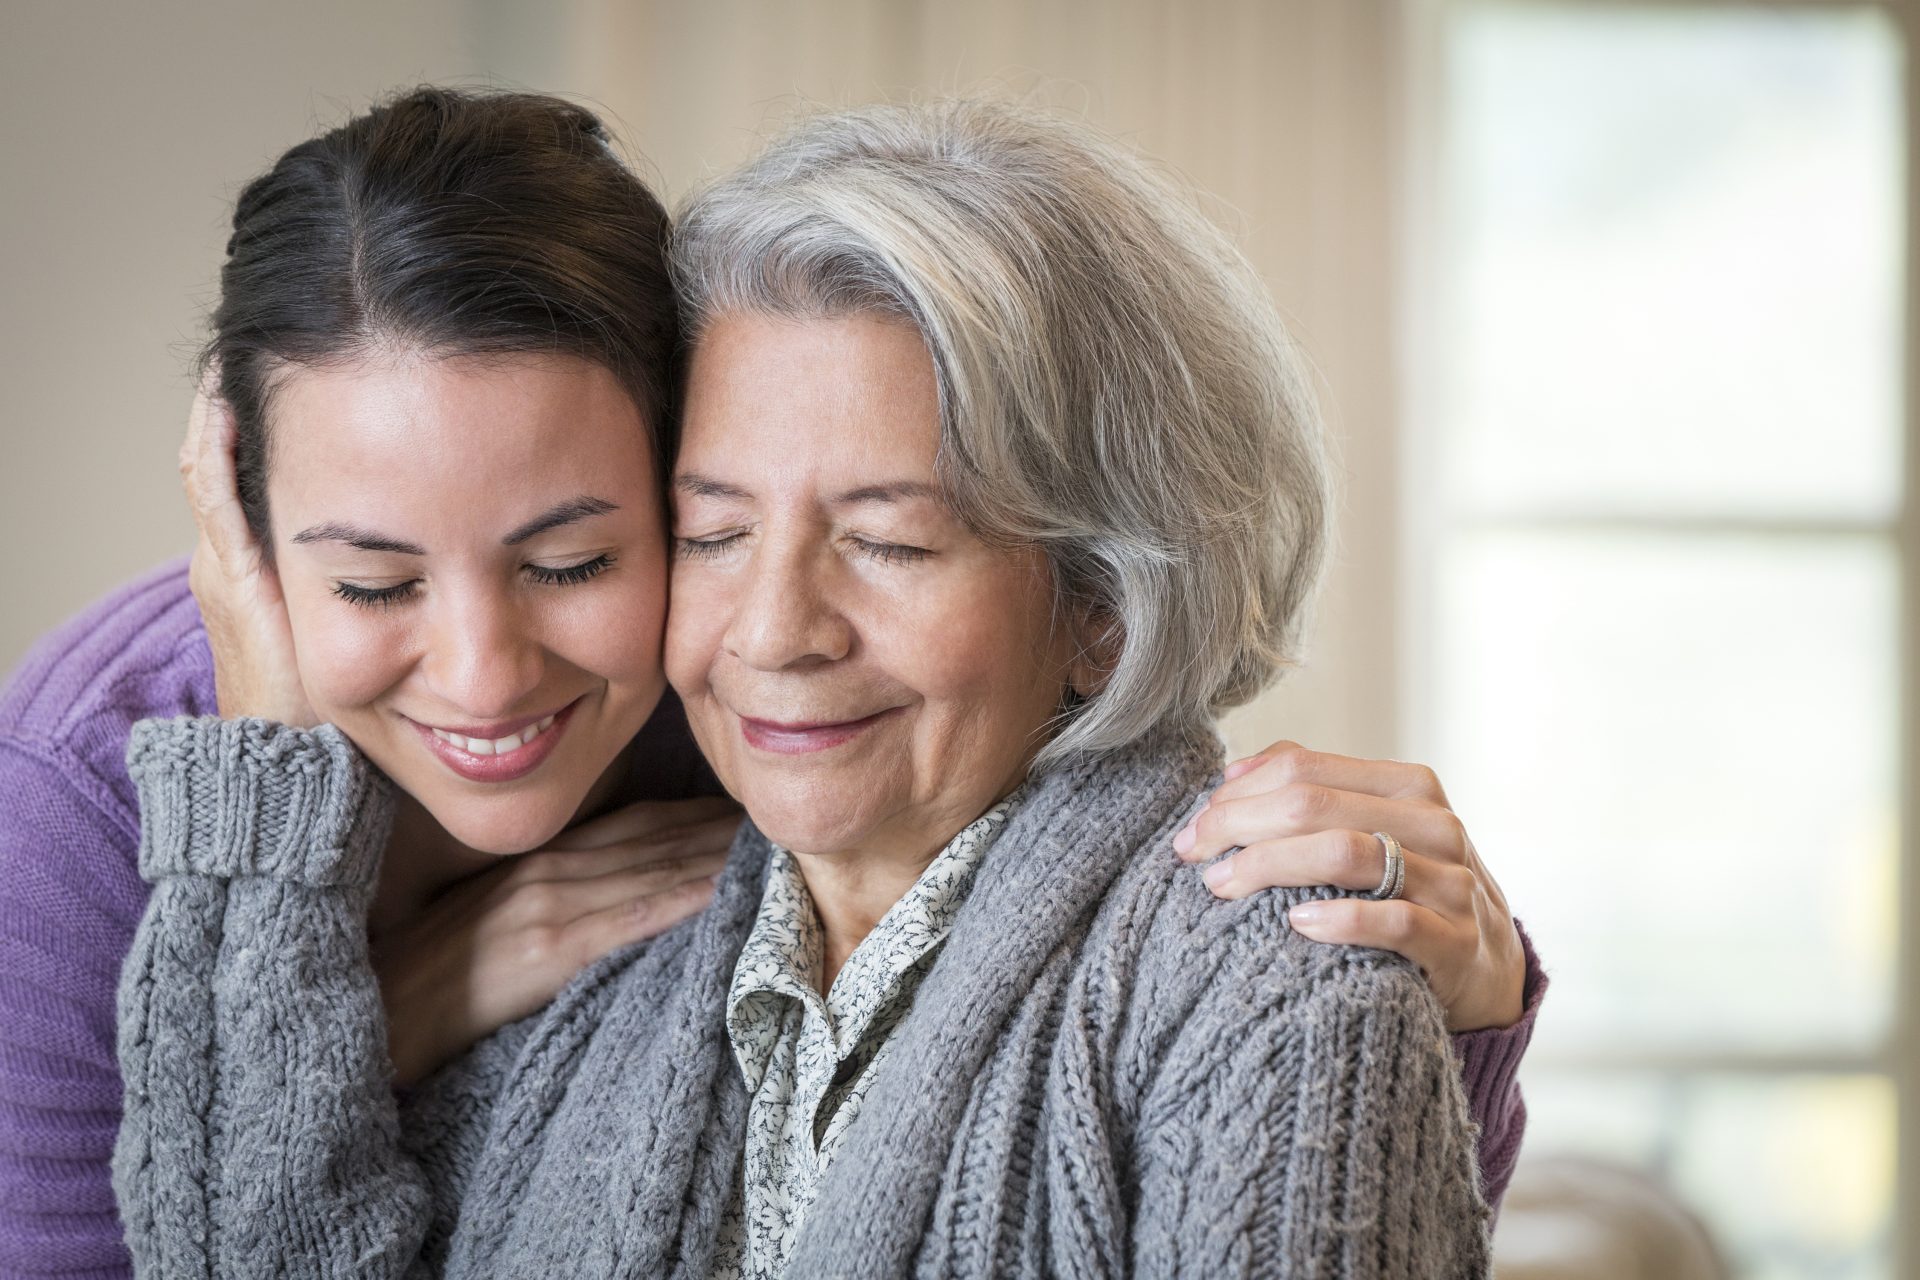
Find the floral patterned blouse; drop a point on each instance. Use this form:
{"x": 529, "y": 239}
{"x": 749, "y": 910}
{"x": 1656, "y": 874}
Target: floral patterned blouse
{"x": 808, "y": 1061}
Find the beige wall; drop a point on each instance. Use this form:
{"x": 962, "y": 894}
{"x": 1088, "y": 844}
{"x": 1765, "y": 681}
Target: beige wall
{"x": 127, "y": 132}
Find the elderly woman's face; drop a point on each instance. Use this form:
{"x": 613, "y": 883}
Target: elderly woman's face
{"x": 863, "y": 672}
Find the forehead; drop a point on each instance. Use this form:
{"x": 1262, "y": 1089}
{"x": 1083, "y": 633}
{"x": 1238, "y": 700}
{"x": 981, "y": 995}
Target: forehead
{"x": 786, "y": 400}
{"x": 403, "y": 417}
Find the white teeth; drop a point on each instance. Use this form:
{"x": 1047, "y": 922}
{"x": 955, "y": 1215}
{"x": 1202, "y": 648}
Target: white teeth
{"x": 495, "y": 746}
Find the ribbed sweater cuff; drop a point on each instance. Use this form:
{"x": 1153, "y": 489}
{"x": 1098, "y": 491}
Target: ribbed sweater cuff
{"x": 228, "y": 798}
{"x": 1490, "y": 1067}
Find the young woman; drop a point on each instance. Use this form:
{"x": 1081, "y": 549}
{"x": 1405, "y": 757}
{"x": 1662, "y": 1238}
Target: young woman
{"x": 447, "y": 338}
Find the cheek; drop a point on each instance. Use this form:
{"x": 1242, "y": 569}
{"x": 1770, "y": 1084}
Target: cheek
{"x": 695, "y": 625}
{"x": 347, "y": 656}
{"x": 615, "y": 633}
{"x": 988, "y": 654}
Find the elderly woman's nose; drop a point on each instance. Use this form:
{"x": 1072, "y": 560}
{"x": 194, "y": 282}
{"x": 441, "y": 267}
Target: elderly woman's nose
{"x": 785, "y": 615}
{"x": 483, "y": 655}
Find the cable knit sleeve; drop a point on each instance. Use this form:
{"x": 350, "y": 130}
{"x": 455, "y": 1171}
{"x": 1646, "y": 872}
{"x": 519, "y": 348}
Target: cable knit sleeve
{"x": 1309, "y": 1120}
{"x": 260, "y": 1134}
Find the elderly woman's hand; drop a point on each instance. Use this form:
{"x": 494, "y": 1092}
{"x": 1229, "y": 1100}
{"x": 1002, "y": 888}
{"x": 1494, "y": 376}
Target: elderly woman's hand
{"x": 1301, "y": 818}
{"x": 238, "y": 592}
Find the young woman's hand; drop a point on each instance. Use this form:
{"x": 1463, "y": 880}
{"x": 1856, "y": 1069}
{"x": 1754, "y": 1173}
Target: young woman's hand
{"x": 501, "y": 944}
{"x": 1302, "y": 818}
{"x": 254, "y": 672}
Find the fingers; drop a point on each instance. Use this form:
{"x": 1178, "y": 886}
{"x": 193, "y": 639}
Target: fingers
{"x": 1289, "y": 762}
{"x": 205, "y": 396}
{"x": 212, "y": 485}
{"x": 562, "y": 902}
{"x": 1302, "y": 808}
{"x": 661, "y": 849}
{"x": 1400, "y": 926}
{"x": 615, "y": 926}
{"x": 1353, "y": 860}
{"x": 646, "y": 819}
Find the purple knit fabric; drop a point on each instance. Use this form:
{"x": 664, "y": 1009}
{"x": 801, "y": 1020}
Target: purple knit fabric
{"x": 71, "y": 898}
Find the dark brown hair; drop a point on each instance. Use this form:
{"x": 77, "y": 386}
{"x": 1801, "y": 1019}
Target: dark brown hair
{"x": 457, "y": 222}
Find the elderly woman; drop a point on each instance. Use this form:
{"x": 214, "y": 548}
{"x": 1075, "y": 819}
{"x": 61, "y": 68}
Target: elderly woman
{"x": 997, "y": 481}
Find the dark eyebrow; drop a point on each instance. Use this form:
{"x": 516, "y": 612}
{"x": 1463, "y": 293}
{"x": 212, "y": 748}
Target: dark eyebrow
{"x": 702, "y": 487}
{"x": 354, "y": 536}
{"x": 898, "y": 491}
{"x": 566, "y": 513}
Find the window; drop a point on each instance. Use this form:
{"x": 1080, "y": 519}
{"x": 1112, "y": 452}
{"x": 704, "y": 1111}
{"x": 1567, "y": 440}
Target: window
{"x": 1657, "y": 443}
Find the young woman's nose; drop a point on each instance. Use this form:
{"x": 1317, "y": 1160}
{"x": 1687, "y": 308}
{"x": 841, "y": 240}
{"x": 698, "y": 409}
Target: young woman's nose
{"x": 483, "y": 656}
{"x": 785, "y": 614}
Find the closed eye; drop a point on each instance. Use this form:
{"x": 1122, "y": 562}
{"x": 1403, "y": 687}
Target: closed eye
{"x": 375, "y": 597}
{"x": 569, "y": 575}
{"x": 706, "y": 548}
{"x": 890, "y": 552}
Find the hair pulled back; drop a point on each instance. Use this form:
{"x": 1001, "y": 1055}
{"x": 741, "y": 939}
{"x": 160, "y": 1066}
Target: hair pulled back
{"x": 454, "y": 222}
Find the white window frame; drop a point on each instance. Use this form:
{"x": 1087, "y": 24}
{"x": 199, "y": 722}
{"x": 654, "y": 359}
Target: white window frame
{"x": 1425, "y": 525}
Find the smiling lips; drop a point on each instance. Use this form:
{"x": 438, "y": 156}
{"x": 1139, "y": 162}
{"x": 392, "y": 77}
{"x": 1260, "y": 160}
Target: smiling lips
{"x": 496, "y": 746}
{"x": 497, "y": 752}
{"x": 798, "y": 739}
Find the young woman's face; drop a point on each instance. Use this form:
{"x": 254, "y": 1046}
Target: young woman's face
{"x": 473, "y": 554}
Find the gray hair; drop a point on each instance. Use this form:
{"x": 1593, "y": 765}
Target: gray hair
{"x": 1115, "y": 385}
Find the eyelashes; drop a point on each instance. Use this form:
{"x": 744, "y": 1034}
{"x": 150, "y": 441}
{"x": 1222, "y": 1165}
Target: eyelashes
{"x": 374, "y": 597}
{"x": 569, "y": 575}
{"x": 386, "y": 597}
{"x": 892, "y": 552}
{"x": 884, "y": 552}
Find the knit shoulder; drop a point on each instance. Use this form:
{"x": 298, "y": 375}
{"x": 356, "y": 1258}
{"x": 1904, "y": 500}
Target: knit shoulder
{"x": 1195, "y": 956}
{"x": 136, "y": 654}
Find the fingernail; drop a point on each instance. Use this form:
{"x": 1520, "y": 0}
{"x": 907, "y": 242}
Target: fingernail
{"x": 1218, "y": 873}
{"x": 1183, "y": 843}
{"x": 1237, "y": 768}
{"x": 1305, "y": 913}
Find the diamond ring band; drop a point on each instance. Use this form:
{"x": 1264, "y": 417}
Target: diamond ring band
{"x": 1393, "y": 881}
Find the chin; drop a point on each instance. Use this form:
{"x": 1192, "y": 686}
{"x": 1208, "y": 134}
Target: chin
{"x": 812, "y": 824}
{"x": 504, "y": 826}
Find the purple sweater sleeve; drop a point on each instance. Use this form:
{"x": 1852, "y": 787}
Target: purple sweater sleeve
{"x": 64, "y": 925}
{"x": 1489, "y": 1067}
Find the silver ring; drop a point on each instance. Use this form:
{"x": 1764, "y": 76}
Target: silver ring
{"x": 1393, "y": 880}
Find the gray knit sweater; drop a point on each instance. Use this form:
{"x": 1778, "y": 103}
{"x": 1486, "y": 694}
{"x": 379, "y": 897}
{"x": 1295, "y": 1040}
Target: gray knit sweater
{"x": 1107, "y": 1072}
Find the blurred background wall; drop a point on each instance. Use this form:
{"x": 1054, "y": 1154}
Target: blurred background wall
{"x": 1607, "y": 303}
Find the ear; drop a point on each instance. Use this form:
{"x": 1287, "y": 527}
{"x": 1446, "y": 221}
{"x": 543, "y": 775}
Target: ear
{"x": 1098, "y": 640}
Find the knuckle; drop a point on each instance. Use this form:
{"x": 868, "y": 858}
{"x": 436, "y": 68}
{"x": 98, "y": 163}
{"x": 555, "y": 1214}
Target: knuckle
{"x": 1397, "y": 927}
{"x": 1426, "y": 783}
{"x": 1458, "y": 884}
{"x": 1357, "y": 853}
{"x": 1303, "y": 803}
{"x": 541, "y": 947}
{"x": 539, "y": 901}
{"x": 1289, "y": 762}
{"x": 643, "y": 913}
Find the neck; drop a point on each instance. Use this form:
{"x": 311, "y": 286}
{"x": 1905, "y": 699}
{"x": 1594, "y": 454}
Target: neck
{"x": 423, "y": 859}
{"x": 421, "y": 862}
{"x": 851, "y": 893}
